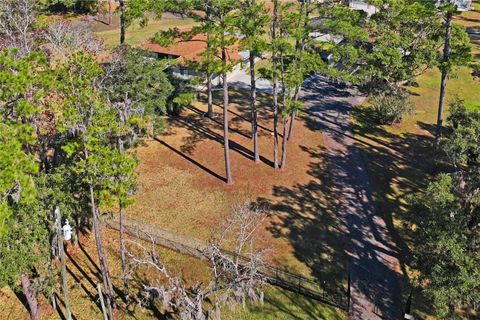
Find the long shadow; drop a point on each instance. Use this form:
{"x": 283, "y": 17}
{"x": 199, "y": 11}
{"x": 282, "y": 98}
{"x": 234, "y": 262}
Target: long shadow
{"x": 469, "y": 19}
{"x": 92, "y": 262}
{"x": 59, "y": 310}
{"x": 22, "y": 298}
{"x": 100, "y": 21}
{"x": 399, "y": 151}
{"x": 344, "y": 133}
{"x": 200, "y": 132}
{"x": 247, "y": 119}
{"x": 75, "y": 264}
{"x": 239, "y": 97}
{"x": 304, "y": 215}
{"x": 98, "y": 272}
{"x": 283, "y": 300}
{"x": 85, "y": 275}
{"x": 198, "y": 164}
{"x": 200, "y": 112}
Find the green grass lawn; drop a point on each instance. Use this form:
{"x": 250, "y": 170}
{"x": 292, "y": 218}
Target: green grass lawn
{"x": 280, "y": 304}
{"x": 135, "y": 34}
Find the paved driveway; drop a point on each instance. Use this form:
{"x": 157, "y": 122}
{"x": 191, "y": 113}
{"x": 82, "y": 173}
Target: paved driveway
{"x": 373, "y": 256}
{"x": 241, "y": 80}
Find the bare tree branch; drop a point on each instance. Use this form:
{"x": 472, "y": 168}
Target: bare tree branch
{"x": 17, "y": 20}
{"x": 235, "y": 277}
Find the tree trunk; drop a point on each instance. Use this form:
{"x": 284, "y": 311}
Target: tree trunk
{"x": 123, "y": 256}
{"x": 209, "y": 74}
{"x": 285, "y": 115}
{"x": 275, "y": 123}
{"x": 225, "y": 118}
{"x": 290, "y": 127}
{"x": 29, "y": 293}
{"x": 101, "y": 254}
{"x": 443, "y": 84}
{"x": 121, "y": 4}
{"x": 253, "y": 104}
{"x": 78, "y": 227}
{"x": 274, "y": 86}
{"x": 209, "y": 95}
{"x": 61, "y": 254}
{"x": 109, "y": 12}
{"x": 102, "y": 302}
{"x": 283, "y": 162}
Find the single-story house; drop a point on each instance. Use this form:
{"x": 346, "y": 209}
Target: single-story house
{"x": 188, "y": 52}
{"x": 363, "y": 5}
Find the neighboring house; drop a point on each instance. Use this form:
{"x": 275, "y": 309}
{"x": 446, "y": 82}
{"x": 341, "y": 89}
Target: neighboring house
{"x": 462, "y": 5}
{"x": 187, "y": 53}
{"x": 363, "y": 6}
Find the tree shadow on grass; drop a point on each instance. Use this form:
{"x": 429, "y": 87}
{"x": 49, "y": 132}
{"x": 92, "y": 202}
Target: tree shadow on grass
{"x": 191, "y": 160}
{"x": 97, "y": 273}
{"x": 199, "y": 132}
{"x": 91, "y": 295}
{"x": 240, "y": 101}
{"x": 304, "y": 215}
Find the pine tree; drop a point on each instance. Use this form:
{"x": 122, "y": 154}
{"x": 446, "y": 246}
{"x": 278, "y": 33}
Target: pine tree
{"x": 252, "y": 23}
{"x": 89, "y": 125}
{"x": 217, "y": 19}
{"x": 136, "y": 10}
{"x": 456, "y": 52}
{"x": 24, "y": 249}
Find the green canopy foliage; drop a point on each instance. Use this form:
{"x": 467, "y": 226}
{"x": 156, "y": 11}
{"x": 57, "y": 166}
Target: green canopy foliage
{"x": 23, "y": 84}
{"x": 139, "y": 80}
{"x": 447, "y": 220}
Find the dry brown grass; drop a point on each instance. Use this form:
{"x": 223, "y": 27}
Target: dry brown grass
{"x": 181, "y": 186}
{"x": 83, "y": 275}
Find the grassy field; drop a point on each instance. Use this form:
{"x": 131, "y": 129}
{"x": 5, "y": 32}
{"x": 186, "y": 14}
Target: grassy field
{"x": 136, "y": 34}
{"x": 283, "y": 305}
{"x": 182, "y": 188}
{"x": 399, "y": 158}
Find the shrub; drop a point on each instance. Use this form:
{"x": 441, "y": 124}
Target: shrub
{"x": 391, "y": 107}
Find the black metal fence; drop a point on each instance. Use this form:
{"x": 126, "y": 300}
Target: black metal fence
{"x": 338, "y": 297}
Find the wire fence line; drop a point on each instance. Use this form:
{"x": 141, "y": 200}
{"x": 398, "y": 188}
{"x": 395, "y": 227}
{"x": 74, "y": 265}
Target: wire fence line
{"x": 338, "y": 297}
